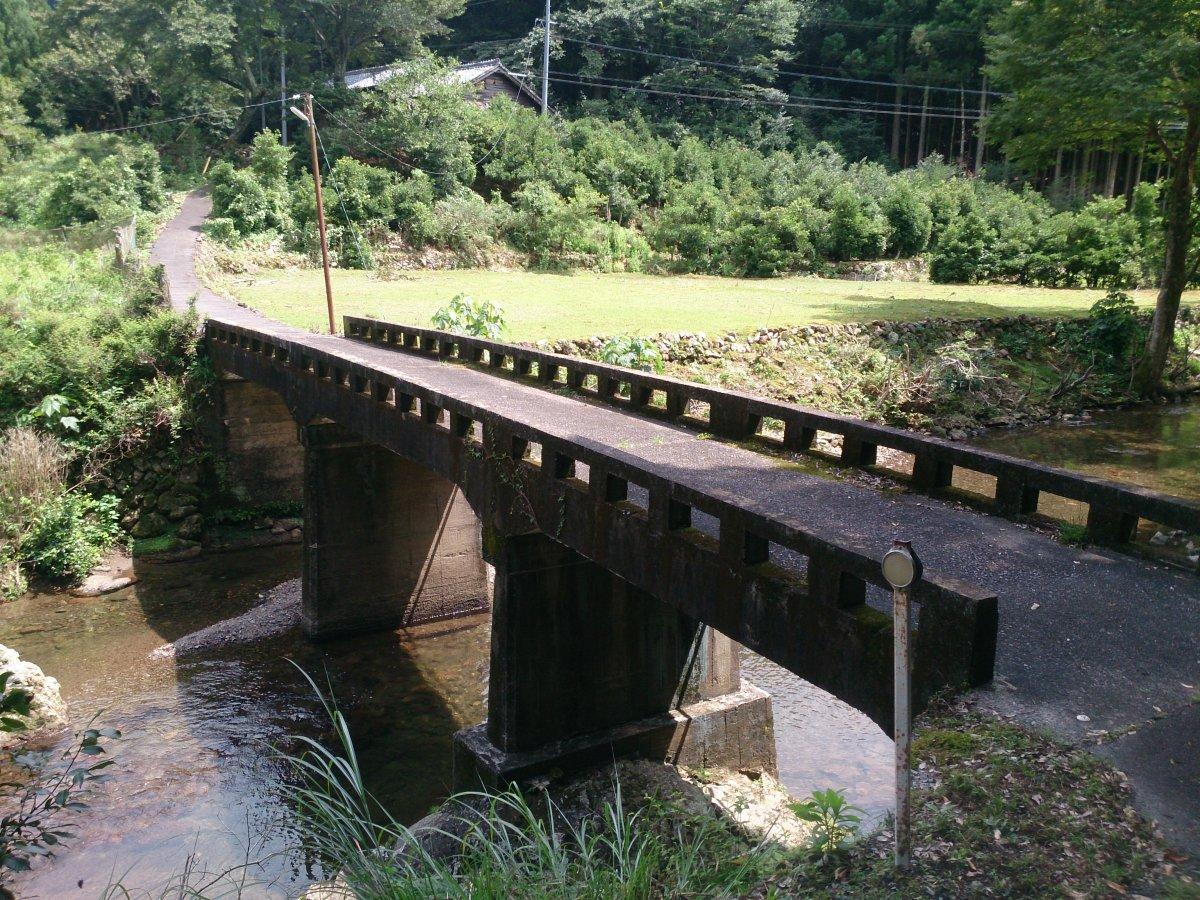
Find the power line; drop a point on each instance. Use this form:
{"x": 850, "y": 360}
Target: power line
{"x": 762, "y": 101}
{"x": 337, "y": 188}
{"x": 415, "y": 168}
{"x": 883, "y": 26}
{"x": 764, "y": 70}
{"x": 880, "y": 106}
{"x": 193, "y": 116}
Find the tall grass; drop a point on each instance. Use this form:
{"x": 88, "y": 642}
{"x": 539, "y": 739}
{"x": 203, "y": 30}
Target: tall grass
{"x": 32, "y": 470}
{"x": 510, "y": 844}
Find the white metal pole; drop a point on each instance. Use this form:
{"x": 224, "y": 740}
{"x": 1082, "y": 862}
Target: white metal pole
{"x": 902, "y": 619}
{"x": 546, "y": 62}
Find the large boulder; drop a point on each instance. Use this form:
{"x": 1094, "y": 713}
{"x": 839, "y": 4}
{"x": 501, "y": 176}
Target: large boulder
{"x": 47, "y": 711}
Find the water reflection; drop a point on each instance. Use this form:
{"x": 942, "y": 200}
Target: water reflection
{"x": 1155, "y": 447}
{"x": 196, "y": 775}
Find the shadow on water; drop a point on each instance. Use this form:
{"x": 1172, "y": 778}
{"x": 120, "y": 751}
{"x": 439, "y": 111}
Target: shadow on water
{"x": 195, "y": 773}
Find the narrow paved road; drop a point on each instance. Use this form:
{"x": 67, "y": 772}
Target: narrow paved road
{"x": 1090, "y": 641}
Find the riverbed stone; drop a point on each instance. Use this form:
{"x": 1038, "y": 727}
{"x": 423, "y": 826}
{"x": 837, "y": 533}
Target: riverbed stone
{"x": 178, "y": 513}
{"x": 98, "y": 583}
{"x": 47, "y": 711}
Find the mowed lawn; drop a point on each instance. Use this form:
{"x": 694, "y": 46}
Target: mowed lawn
{"x": 538, "y": 305}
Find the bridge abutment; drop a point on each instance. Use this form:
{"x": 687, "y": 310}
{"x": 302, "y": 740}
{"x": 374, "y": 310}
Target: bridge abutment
{"x": 585, "y": 667}
{"x": 386, "y": 541}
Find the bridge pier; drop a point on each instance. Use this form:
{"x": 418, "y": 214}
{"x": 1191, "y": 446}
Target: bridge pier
{"x": 585, "y": 667}
{"x": 386, "y": 541}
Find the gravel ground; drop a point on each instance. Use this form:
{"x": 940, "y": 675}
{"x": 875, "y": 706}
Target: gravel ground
{"x": 278, "y": 611}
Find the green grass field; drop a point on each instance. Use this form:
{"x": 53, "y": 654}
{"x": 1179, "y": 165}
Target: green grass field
{"x": 539, "y": 305}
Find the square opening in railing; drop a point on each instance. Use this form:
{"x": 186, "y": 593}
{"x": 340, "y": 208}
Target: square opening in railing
{"x": 638, "y": 496}
{"x": 771, "y": 428}
{"x": 827, "y": 443}
{"x": 706, "y": 523}
{"x": 698, "y": 411}
{"x": 896, "y": 461}
{"x": 977, "y": 484}
{"x": 591, "y": 384}
{"x": 1064, "y": 509}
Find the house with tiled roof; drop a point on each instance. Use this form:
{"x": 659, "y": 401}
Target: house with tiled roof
{"x": 490, "y": 78}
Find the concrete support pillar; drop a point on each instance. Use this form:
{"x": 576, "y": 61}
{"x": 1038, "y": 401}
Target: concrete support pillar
{"x": 386, "y": 542}
{"x": 584, "y": 667}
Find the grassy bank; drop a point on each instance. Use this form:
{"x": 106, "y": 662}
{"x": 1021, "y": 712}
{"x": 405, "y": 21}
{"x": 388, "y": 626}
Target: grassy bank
{"x": 93, "y": 372}
{"x": 541, "y": 306}
{"x": 998, "y": 811}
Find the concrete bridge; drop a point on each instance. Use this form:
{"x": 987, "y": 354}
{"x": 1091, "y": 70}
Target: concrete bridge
{"x": 625, "y": 556}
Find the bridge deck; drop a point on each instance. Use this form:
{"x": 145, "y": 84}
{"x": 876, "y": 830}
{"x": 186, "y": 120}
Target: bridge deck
{"x": 1082, "y": 632}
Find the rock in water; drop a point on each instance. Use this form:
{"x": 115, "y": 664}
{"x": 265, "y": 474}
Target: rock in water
{"x": 47, "y": 711}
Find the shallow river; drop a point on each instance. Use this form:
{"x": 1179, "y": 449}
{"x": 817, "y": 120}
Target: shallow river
{"x": 1156, "y": 447}
{"x": 196, "y": 779}
{"x": 195, "y": 774}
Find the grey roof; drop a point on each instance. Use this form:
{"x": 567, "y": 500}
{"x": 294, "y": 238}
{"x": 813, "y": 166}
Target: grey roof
{"x": 466, "y": 73}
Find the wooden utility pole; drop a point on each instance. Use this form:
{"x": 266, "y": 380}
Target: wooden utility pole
{"x": 283, "y": 111}
{"x": 546, "y": 62}
{"x": 316, "y": 171}
{"x": 921, "y": 134}
{"x": 962, "y": 135}
{"x": 981, "y": 137}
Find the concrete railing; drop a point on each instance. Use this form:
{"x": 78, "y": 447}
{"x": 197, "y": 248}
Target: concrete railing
{"x": 1113, "y": 509}
{"x": 957, "y": 635}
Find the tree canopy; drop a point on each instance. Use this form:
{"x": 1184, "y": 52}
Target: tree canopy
{"x": 1119, "y": 75}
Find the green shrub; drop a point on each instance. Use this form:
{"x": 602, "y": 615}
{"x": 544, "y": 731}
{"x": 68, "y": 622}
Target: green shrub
{"x": 258, "y": 198}
{"x": 690, "y": 225}
{"x": 480, "y": 318}
{"x": 764, "y": 242}
{"x": 548, "y": 225}
{"x": 632, "y": 352}
{"x": 69, "y": 535}
{"x": 910, "y": 220}
{"x": 81, "y": 179}
{"x": 620, "y": 249}
{"x": 963, "y": 256}
{"x": 468, "y": 224}
{"x": 835, "y": 820}
{"x": 358, "y": 192}
{"x": 857, "y": 229}
{"x": 91, "y": 355}
{"x": 1113, "y": 330}
{"x": 409, "y": 203}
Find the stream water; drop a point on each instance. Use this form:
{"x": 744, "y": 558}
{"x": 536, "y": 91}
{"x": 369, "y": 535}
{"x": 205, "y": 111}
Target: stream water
{"x": 1156, "y": 447}
{"x": 196, "y": 783}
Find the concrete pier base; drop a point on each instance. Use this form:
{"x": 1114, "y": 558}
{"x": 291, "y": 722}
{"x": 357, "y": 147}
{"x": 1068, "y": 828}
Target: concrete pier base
{"x": 732, "y": 731}
{"x": 584, "y": 666}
